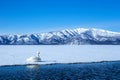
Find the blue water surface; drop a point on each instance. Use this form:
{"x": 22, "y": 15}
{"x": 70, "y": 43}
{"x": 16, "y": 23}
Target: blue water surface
{"x": 78, "y": 71}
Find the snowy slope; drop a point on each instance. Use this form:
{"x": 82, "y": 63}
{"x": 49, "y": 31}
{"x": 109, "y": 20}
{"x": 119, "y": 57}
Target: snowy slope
{"x": 74, "y": 37}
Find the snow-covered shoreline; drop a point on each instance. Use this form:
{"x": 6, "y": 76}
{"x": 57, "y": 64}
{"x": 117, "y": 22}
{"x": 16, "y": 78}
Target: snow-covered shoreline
{"x": 42, "y": 64}
{"x": 10, "y": 55}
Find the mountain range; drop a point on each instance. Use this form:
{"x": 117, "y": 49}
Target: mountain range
{"x": 79, "y": 36}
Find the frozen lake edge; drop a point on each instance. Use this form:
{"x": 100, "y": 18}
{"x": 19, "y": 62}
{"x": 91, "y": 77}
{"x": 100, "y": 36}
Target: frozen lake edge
{"x": 13, "y": 55}
{"x": 38, "y": 64}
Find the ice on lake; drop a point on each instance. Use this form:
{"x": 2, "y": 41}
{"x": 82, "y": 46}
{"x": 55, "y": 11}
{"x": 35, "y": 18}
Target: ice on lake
{"x": 10, "y": 55}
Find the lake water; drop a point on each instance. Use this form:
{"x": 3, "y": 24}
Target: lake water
{"x": 10, "y": 55}
{"x": 84, "y": 71}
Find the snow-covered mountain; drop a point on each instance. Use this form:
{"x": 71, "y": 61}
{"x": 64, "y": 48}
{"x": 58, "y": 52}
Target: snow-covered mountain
{"x": 73, "y": 37}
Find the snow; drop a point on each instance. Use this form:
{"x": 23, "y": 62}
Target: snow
{"x": 73, "y": 36}
{"x": 10, "y": 55}
{"x": 80, "y": 30}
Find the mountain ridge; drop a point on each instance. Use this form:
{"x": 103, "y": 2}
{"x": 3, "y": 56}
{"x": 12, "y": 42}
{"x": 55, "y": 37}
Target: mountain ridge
{"x": 79, "y": 36}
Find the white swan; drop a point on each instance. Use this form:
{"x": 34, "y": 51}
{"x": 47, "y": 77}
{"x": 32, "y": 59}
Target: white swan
{"x": 34, "y": 59}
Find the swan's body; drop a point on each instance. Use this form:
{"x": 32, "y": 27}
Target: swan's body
{"x": 34, "y": 59}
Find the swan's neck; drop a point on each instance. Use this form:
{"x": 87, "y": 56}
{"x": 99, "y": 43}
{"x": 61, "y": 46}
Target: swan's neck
{"x": 38, "y": 54}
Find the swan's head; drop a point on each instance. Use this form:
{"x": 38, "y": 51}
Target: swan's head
{"x": 38, "y": 52}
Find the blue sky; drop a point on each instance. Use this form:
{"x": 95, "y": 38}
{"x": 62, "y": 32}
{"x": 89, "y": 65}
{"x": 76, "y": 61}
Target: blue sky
{"x": 36, "y": 16}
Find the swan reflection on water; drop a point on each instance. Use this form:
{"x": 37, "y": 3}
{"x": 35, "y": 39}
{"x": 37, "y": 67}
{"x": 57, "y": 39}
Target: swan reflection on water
{"x": 34, "y": 66}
